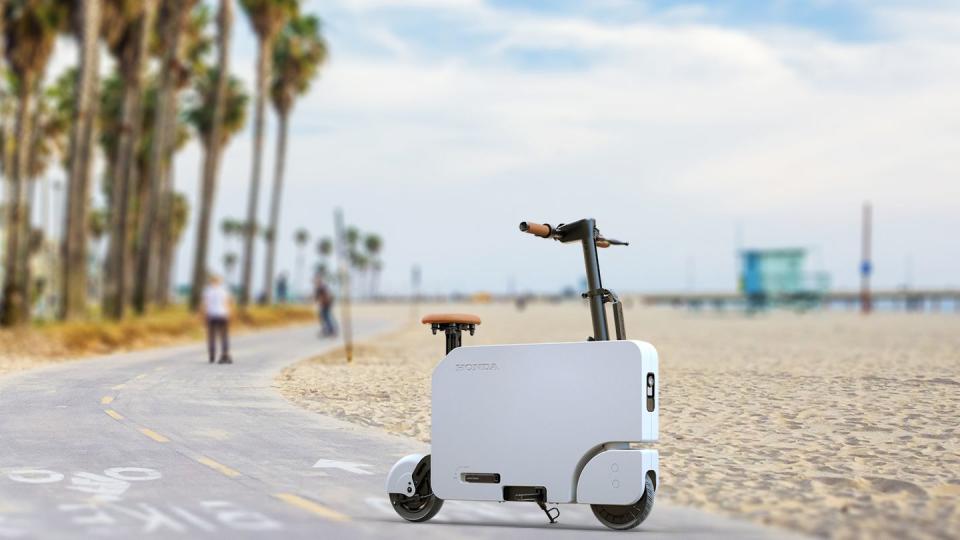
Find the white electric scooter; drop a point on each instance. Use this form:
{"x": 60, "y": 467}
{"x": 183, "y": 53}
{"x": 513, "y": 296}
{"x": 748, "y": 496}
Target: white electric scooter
{"x": 546, "y": 423}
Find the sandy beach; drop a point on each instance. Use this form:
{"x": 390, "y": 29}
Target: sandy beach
{"x": 827, "y": 423}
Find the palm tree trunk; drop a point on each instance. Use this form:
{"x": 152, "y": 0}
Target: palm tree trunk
{"x": 212, "y": 152}
{"x": 263, "y": 76}
{"x": 161, "y": 294}
{"x": 11, "y": 311}
{"x": 26, "y": 234}
{"x": 159, "y": 151}
{"x": 125, "y": 168}
{"x": 281, "y": 158}
{"x": 74, "y": 264}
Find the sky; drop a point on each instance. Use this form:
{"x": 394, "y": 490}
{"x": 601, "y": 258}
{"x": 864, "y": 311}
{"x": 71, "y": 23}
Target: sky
{"x": 689, "y": 129}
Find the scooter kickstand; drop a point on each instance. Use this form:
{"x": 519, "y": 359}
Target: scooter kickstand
{"x": 551, "y": 517}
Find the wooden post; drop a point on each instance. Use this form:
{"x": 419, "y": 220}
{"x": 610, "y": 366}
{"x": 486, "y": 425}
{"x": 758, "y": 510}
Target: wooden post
{"x": 866, "y": 305}
{"x": 415, "y": 293}
{"x": 344, "y": 279}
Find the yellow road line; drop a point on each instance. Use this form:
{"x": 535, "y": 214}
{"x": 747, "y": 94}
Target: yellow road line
{"x": 106, "y": 400}
{"x": 113, "y": 414}
{"x": 118, "y": 387}
{"x": 312, "y": 507}
{"x": 138, "y": 377}
{"x": 219, "y": 467}
{"x": 154, "y": 435}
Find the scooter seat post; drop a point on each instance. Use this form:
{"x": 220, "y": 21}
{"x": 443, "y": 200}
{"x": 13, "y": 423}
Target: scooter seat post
{"x": 453, "y": 333}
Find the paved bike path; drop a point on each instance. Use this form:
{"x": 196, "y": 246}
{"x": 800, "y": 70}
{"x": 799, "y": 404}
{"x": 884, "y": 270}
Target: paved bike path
{"x": 162, "y": 444}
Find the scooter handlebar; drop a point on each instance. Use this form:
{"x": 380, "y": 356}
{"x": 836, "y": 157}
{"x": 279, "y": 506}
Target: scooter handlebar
{"x": 607, "y": 242}
{"x": 537, "y": 229}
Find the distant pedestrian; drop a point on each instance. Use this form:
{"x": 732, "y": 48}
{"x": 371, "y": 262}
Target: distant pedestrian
{"x": 216, "y": 311}
{"x": 282, "y": 288}
{"x": 324, "y": 299}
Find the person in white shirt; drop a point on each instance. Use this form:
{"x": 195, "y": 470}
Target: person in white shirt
{"x": 216, "y": 311}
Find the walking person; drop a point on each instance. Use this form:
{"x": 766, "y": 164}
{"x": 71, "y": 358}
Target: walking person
{"x": 216, "y": 310}
{"x": 282, "y": 288}
{"x": 324, "y": 299}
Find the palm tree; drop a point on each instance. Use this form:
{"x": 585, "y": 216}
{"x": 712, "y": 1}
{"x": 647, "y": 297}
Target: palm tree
{"x": 128, "y": 42}
{"x": 74, "y": 267}
{"x": 4, "y": 100}
{"x": 7, "y": 115}
{"x": 97, "y": 224}
{"x": 197, "y": 41}
{"x": 324, "y": 249}
{"x": 267, "y": 17}
{"x": 172, "y": 16}
{"x": 230, "y": 227}
{"x": 221, "y": 114}
{"x": 30, "y": 30}
{"x": 229, "y": 264}
{"x": 49, "y": 123}
{"x": 373, "y": 244}
{"x": 297, "y": 55}
{"x": 352, "y": 236}
{"x": 301, "y": 238}
{"x": 200, "y": 116}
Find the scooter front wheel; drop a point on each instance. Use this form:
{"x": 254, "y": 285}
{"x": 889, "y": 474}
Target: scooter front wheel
{"x": 421, "y": 505}
{"x": 622, "y": 518}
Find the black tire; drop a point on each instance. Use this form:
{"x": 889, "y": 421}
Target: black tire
{"x": 623, "y": 518}
{"x": 423, "y": 504}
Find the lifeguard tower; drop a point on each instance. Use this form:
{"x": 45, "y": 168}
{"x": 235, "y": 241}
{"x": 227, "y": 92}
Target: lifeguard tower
{"x": 770, "y": 277}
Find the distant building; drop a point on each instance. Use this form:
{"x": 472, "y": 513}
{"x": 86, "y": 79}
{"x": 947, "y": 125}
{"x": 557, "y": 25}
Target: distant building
{"x": 778, "y": 276}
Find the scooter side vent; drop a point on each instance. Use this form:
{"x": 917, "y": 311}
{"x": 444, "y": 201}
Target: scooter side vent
{"x": 480, "y": 478}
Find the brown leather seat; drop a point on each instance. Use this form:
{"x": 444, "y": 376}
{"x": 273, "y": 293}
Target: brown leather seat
{"x": 450, "y": 318}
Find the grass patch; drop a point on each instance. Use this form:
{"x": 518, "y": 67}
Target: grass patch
{"x": 160, "y": 327}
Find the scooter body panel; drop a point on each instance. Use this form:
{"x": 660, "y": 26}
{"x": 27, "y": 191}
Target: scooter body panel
{"x": 535, "y": 415}
{"x": 617, "y": 476}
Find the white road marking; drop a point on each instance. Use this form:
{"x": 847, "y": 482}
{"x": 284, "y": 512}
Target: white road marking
{"x": 109, "y": 487}
{"x": 192, "y": 519}
{"x": 35, "y": 476}
{"x": 212, "y": 516}
{"x": 153, "y": 519}
{"x": 97, "y": 518}
{"x": 237, "y": 518}
{"x": 133, "y": 474}
{"x": 349, "y": 466}
{"x": 103, "y": 488}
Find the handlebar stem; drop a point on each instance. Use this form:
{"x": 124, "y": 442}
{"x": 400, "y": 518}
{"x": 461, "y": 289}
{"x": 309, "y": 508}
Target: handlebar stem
{"x": 585, "y": 231}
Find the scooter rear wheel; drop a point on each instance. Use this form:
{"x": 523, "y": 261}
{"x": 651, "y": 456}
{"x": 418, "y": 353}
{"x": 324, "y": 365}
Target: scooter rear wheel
{"x": 422, "y": 505}
{"x": 622, "y": 518}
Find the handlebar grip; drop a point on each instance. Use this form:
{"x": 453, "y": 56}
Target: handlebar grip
{"x": 536, "y": 229}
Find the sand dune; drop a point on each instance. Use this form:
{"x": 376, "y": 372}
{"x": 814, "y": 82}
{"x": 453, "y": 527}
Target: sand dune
{"x": 827, "y": 423}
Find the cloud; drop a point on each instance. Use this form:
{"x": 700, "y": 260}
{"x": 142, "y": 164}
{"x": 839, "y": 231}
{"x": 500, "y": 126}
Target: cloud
{"x": 671, "y": 129}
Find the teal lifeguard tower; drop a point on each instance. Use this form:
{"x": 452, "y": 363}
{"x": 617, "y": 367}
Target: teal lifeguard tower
{"x": 777, "y": 276}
